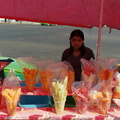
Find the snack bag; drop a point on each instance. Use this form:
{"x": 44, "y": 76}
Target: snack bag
{"x": 11, "y": 92}
{"x": 80, "y": 94}
{"x": 30, "y": 71}
{"x": 43, "y": 65}
{"x": 100, "y": 97}
{"x": 89, "y": 70}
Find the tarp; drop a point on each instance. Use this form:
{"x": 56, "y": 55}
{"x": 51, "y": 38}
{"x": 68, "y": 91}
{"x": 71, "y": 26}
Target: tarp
{"x": 80, "y": 13}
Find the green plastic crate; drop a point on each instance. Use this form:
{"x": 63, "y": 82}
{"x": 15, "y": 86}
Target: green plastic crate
{"x": 70, "y": 102}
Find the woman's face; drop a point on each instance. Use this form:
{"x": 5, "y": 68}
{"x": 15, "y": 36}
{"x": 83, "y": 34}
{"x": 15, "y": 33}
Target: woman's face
{"x": 76, "y": 42}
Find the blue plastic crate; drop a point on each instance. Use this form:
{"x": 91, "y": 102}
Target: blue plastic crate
{"x": 33, "y": 101}
{"x": 36, "y": 85}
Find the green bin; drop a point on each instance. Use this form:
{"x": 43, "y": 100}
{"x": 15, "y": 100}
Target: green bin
{"x": 70, "y": 102}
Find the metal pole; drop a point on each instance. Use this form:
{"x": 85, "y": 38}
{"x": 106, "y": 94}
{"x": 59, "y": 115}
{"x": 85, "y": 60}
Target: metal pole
{"x": 100, "y": 30}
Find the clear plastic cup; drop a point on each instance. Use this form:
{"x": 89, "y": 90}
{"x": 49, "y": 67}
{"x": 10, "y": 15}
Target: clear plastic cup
{"x": 44, "y": 82}
{"x": 59, "y": 106}
{"x": 11, "y": 107}
{"x": 81, "y": 106}
{"x": 30, "y": 84}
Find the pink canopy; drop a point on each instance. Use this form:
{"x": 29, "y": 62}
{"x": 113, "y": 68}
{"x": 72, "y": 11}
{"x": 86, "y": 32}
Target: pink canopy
{"x": 81, "y": 13}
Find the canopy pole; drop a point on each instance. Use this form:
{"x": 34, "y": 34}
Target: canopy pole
{"x": 100, "y": 30}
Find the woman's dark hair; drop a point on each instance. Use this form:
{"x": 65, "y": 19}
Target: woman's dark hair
{"x": 80, "y": 34}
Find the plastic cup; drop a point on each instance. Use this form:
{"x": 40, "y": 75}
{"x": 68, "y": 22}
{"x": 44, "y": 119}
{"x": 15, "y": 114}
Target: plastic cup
{"x": 81, "y": 107}
{"x": 59, "y": 106}
{"x": 44, "y": 82}
{"x": 30, "y": 84}
{"x": 11, "y": 107}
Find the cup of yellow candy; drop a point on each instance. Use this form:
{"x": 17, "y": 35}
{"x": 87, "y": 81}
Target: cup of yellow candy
{"x": 11, "y": 97}
{"x": 59, "y": 93}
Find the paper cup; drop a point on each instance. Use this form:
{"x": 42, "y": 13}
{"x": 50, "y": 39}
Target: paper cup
{"x": 11, "y": 107}
{"x": 59, "y": 106}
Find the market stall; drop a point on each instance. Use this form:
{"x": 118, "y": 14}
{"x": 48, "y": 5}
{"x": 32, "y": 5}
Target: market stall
{"x": 96, "y": 96}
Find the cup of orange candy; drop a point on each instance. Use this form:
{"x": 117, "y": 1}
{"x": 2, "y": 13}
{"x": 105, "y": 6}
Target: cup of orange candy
{"x": 46, "y": 78}
{"x": 30, "y": 76}
{"x": 70, "y": 80}
{"x": 11, "y": 97}
{"x": 44, "y": 82}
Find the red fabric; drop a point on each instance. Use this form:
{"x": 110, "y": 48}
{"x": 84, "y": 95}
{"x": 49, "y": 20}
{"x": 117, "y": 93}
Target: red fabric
{"x": 81, "y": 13}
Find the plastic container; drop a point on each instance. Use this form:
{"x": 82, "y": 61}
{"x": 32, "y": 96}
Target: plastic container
{"x": 33, "y": 101}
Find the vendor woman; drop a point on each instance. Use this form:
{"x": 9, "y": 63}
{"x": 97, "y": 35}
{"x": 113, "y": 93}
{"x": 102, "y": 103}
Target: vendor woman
{"x": 76, "y": 51}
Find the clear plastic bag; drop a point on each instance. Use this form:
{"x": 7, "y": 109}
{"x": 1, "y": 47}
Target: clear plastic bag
{"x": 80, "y": 94}
{"x": 43, "y": 65}
{"x": 100, "y": 97}
{"x": 11, "y": 92}
{"x": 30, "y": 71}
{"x": 71, "y": 76}
{"x": 107, "y": 69}
{"x": 56, "y": 72}
{"x": 89, "y": 71}
{"x": 57, "y": 77}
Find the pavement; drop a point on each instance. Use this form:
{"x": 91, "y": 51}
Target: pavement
{"x": 48, "y": 42}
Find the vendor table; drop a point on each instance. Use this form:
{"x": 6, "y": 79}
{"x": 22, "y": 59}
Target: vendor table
{"x": 48, "y": 113}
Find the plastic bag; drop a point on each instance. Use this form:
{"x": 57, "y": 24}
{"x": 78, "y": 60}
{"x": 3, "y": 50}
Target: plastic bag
{"x": 59, "y": 93}
{"x": 81, "y": 95}
{"x": 107, "y": 69}
{"x": 71, "y": 76}
{"x": 4, "y": 63}
{"x": 30, "y": 71}
{"x": 43, "y": 65}
{"x": 116, "y": 89}
{"x": 11, "y": 92}
{"x": 57, "y": 77}
{"x": 100, "y": 98}
{"x": 56, "y": 72}
{"x": 109, "y": 63}
{"x": 89, "y": 71}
